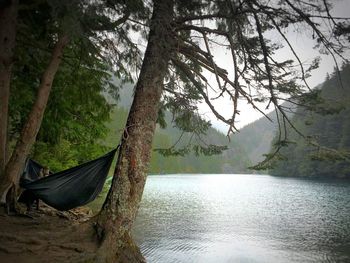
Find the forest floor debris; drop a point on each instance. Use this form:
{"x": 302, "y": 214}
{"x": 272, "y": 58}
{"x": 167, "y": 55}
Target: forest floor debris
{"x": 45, "y": 235}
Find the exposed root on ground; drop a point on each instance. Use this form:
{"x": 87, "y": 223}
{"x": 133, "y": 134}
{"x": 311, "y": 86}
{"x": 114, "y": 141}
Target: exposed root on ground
{"x": 48, "y": 235}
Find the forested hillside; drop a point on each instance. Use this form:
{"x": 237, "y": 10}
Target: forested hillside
{"x": 233, "y": 160}
{"x": 59, "y": 61}
{"x": 246, "y": 148}
{"x": 256, "y": 137}
{"x": 330, "y": 131}
{"x": 70, "y": 136}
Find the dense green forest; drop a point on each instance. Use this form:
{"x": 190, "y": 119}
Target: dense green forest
{"x": 325, "y": 152}
{"x": 83, "y": 123}
{"x": 59, "y": 105}
{"x": 255, "y": 138}
{"x": 70, "y": 135}
{"x": 73, "y": 124}
{"x": 101, "y": 132}
{"x": 233, "y": 160}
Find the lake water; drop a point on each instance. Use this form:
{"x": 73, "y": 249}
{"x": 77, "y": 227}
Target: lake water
{"x": 243, "y": 218}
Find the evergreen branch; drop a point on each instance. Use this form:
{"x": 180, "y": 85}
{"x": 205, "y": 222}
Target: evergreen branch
{"x": 182, "y": 20}
{"x": 322, "y": 38}
{"x": 188, "y": 72}
{"x": 293, "y": 51}
{"x": 212, "y": 60}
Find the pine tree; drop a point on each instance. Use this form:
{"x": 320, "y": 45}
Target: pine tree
{"x": 52, "y": 25}
{"x": 178, "y": 58}
{"x": 326, "y": 152}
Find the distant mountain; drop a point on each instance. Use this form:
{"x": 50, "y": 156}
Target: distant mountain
{"x": 330, "y": 131}
{"x": 245, "y": 149}
{"x": 256, "y": 137}
{"x": 233, "y": 160}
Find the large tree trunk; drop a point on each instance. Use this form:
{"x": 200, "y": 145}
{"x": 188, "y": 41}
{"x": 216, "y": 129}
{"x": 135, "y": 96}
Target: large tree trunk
{"x": 114, "y": 222}
{"x": 32, "y": 125}
{"x": 8, "y": 18}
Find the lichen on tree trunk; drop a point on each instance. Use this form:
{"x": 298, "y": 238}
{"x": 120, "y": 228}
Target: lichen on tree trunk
{"x": 114, "y": 222}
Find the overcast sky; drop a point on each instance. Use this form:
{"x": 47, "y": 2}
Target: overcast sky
{"x": 303, "y": 46}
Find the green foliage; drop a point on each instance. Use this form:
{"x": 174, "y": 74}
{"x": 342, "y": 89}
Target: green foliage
{"x": 64, "y": 155}
{"x": 269, "y": 161}
{"x": 74, "y": 124}
{"x": 100, "y": 41}
{"x": 209, "y": 150}
{"x": 326, "y": 150}
{"x": 161, "y": 118}
{"x": 256, "y": 138}
{"x": 172, "y": 151}
{"x": 75, "y": 116}
{"x": 182, "y": 159}
{"x": 330, "y": 155}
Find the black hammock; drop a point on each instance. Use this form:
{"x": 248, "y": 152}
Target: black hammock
{"x": 70, "y": 188}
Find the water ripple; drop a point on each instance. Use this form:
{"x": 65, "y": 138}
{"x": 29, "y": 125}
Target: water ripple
{"x": 243, "y": 218}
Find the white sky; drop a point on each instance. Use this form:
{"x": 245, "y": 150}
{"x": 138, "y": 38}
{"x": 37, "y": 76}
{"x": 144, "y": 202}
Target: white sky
{"x": 302, "y": 44}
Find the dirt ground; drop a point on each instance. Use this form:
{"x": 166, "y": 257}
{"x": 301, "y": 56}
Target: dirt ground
{"x": 46, "y": 235}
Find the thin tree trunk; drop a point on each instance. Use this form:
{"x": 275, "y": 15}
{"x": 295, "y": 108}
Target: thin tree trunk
{"x": 114, "y": 222}
{"x": 31, "y": 127}
{"x": 8, "y": 20}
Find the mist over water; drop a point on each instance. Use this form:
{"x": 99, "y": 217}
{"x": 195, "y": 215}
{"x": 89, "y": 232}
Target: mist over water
{"x": 243, "y": 218}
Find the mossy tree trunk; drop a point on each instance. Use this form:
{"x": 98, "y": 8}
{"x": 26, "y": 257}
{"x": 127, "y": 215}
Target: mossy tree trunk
{"x": 32, "y": 125}
{"x": 8, "y": 21}
{"x": 114, "y": 222}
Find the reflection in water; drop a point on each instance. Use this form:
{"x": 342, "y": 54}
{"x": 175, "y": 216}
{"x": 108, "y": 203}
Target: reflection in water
{"x": 243, "y": 218}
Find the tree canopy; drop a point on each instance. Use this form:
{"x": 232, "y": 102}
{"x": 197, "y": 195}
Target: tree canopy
{"x": 254, "y": 72}
{"x": 180, "y": 58}
{"x": 89, "y": 40}
{"x": 77, "y": 109}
